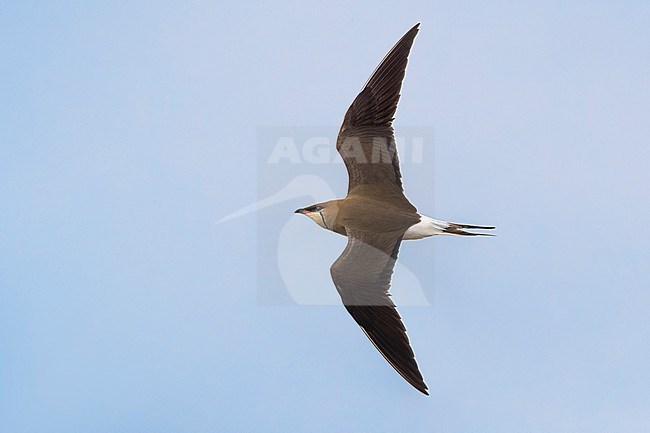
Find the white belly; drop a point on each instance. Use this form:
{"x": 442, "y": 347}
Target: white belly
{"x": 425, "y": 228}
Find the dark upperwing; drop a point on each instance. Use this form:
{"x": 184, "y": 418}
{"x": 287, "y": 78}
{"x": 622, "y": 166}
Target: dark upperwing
{"x": 362, "y": 276}
{"x": 366, "y": 140}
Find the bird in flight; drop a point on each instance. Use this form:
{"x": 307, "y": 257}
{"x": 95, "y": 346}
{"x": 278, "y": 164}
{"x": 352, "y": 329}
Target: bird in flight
{"x": 375, "y": 215}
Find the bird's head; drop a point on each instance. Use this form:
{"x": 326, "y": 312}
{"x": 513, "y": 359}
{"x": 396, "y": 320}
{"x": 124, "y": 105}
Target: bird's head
{"x": 323, "y": 214}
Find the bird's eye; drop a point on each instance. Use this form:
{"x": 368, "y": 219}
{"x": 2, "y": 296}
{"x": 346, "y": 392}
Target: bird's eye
{"x": 317, "y": 208}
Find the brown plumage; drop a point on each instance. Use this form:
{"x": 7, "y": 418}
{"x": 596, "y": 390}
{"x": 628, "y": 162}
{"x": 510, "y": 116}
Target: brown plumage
{"x": 376, "y": 216}
{"x": 366, "y": 140}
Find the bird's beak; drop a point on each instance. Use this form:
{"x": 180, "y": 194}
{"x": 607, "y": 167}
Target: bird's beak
{"x": 302, "y": 211}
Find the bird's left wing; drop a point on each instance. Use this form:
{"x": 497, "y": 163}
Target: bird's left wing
{"x": 366, "y": 140}
{"x": 362, "y": 276}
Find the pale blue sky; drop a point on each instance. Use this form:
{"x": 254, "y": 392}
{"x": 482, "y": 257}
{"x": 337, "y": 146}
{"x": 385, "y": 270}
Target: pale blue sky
{"x": 128, "y": 129}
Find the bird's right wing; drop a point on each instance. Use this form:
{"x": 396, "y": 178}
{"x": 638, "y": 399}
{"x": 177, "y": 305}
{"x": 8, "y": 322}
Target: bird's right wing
{"x": 362, "y": 276}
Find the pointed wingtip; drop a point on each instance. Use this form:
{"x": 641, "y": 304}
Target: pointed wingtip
{"x": 415, "y": 382}
{"x": 423, "y": 389}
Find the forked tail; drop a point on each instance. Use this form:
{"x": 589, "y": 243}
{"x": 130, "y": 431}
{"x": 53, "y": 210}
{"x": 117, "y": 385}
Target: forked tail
{"x": 458, "y": 229}
{"x": 430, "y": 227}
